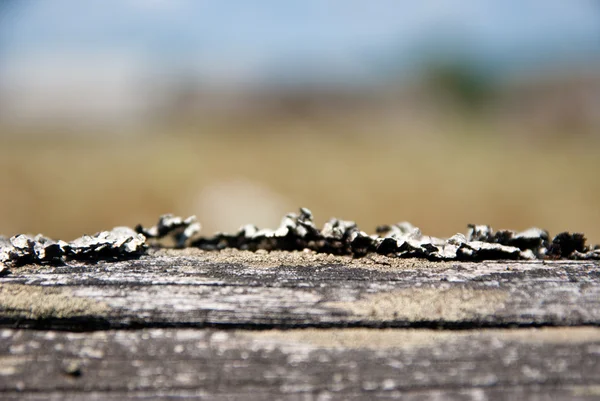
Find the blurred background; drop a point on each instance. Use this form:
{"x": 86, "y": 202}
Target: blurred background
{"x": 441, "y": 113}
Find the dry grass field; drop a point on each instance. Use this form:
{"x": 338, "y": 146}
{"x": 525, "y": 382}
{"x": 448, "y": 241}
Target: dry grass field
{"x": 439, "y": 177}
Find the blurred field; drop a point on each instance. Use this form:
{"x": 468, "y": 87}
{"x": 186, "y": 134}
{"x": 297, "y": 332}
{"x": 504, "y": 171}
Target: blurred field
{"x": 373, "y": 170}
{"x": 240, "y": 113}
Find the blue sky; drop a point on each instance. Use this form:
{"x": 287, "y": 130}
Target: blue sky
{"x": 264, "y": 39}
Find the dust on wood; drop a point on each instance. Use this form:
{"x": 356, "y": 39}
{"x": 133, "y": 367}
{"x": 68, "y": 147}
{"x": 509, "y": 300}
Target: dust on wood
{"x": 20, "y": 301}
{"x": 427, "y": 304}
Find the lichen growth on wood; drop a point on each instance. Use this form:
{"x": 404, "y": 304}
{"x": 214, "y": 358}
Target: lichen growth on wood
{"x": 298, "y": 232}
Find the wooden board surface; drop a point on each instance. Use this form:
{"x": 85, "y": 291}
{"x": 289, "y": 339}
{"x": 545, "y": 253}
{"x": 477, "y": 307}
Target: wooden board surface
{"x": 245, "y": 290}
{"x": 302, "y": 364}
{"x": 297, "y": 325}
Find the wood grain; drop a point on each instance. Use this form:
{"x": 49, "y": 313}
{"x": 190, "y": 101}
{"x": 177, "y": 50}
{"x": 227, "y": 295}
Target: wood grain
{"x": 300, "y": 326}
{"x": 550, "y": 363}
{"x": 247, "y": 290}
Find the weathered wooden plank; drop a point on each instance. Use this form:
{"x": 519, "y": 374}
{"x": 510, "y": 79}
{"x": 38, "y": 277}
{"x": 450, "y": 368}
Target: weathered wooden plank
{"x": 233, "y": 289}
{"x": 535, "y": 393}
{"x": 192, "y": 288}
{"x": 494, "y": 364}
